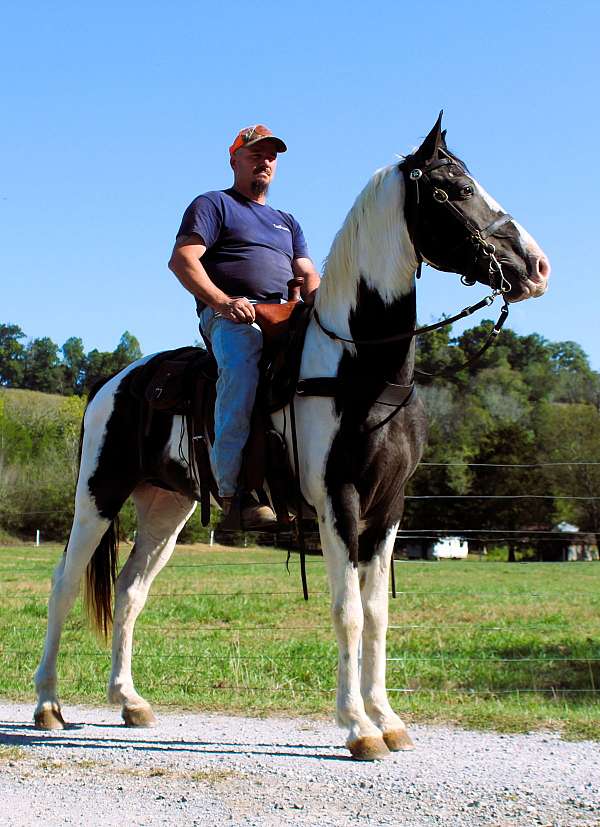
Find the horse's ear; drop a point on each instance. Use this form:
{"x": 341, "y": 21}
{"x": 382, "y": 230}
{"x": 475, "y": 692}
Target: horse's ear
{"x": 432, "y": 142}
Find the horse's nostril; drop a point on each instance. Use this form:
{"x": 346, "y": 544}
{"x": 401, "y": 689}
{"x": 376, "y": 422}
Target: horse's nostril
{"x": 543, "y": 267}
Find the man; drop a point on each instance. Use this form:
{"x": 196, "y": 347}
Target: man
{"x": 231, "y": 251}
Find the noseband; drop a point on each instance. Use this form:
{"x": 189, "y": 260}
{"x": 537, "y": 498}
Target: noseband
{"x": 477, "y": 236}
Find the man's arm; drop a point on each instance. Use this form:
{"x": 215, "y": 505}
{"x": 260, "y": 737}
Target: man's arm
{"x": 305, "y": 269}
{"x": 185, "y": 263}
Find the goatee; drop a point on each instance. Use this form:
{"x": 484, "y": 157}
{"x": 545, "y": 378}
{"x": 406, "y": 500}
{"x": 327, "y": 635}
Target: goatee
{"x": 260, "y": 188}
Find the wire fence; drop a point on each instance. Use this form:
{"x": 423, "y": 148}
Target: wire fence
{"x": 531, "y": 672}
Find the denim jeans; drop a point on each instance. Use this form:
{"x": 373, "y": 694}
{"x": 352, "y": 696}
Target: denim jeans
{"x": 237, "y": 349}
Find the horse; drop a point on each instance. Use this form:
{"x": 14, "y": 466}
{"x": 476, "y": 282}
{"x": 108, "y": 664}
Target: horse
{"x": 357, "y": 446}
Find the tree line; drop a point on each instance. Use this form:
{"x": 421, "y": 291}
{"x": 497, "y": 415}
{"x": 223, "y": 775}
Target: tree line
{"x": 41, "y": 365}
{"x": 512, "y": 439}
{"x": 527, "y": 403}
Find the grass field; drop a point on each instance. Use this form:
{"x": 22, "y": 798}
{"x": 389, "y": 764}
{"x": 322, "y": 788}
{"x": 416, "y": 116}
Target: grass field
{"x": 489, "y": 645}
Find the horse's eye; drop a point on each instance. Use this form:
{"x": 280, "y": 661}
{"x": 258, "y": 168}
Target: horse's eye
{"x": 467, "y": 191}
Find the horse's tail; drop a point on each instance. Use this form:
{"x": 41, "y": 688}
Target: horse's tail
{"x": 101, "y": 574}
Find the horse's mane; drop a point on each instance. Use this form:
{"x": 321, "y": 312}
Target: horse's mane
{"x": 373, "y": 242}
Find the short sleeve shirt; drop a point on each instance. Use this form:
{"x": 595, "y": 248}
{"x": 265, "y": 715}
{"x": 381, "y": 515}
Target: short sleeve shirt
{"x": 249, "y": 247}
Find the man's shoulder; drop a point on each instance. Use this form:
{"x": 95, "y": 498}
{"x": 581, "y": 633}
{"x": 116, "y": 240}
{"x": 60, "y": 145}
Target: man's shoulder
{"x": 214, "y": 196}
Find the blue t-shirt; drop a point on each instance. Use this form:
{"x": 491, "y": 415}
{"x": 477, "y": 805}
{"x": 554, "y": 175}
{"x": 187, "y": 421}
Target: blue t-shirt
{"x": 249, "y": 247}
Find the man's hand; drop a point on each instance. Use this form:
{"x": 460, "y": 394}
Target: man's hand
{"x": 240, "y": 311}
{"x": 304, "y": 269}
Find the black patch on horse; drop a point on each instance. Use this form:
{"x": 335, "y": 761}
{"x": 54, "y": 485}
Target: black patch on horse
{"x": 370, "y": 458}
{"x": 119, "y": 469}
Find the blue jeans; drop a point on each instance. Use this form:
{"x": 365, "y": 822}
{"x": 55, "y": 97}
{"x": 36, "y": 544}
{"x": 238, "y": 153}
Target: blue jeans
{"x": 237, "y": 349}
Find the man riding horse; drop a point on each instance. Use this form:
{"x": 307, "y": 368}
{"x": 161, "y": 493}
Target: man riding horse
{"x": 233, "y": 250}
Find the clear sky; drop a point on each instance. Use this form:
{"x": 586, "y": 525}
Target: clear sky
{"x": 116, "y": 115}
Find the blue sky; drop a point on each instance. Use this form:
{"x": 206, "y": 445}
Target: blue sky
{"x": 116, "y": 115}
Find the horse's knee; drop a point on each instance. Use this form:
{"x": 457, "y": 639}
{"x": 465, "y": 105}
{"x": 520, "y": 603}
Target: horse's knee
{"x": 347, "y": 618}
{"x": 374, "y": 612}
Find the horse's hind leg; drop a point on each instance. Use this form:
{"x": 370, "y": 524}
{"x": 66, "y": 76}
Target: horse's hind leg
{"x": 374, "y": 581}
{"x": 160, "y": 517}
{"x": 86, "y": 534}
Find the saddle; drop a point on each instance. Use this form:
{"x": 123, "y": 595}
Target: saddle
{"x": 183, "y": 382}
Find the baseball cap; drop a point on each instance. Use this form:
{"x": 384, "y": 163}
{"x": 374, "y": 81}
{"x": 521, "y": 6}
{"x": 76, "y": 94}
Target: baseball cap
{"x": 252, "y": 135}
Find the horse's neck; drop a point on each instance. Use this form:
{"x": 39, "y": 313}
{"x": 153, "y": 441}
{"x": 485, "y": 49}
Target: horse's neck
{"x": 368, "y": 287}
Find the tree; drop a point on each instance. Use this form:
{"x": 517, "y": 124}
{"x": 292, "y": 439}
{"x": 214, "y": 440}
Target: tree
{"x": 73, "y": 362}
{"x": 42, "y": 368}
{"x": 127, "y": 351}
{"x": 98, "y": 365}
{"x": 12, "y": 355}
{"x": 570, "y": 434}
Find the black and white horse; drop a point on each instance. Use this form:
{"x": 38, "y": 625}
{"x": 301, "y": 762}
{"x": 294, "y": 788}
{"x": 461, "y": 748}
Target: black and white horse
{"x": 356, "y": 452}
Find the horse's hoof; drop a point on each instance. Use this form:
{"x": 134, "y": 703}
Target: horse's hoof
{"x": 49, "y": 717}
{"x": 138, "y": 716}
{"x": 369, "y": 748}
{"x": 397, "y": 740}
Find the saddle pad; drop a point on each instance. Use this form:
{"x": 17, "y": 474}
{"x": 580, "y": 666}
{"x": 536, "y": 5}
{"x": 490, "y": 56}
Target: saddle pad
{"x": 167, "y": 380}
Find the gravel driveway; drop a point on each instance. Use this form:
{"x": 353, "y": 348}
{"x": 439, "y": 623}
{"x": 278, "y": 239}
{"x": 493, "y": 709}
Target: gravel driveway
{"x": 199, "y": 769}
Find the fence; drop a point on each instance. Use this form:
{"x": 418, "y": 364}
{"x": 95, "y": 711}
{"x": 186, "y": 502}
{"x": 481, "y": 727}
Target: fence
{"x": 250, "y": 637}
{"x": 509, "y": 634}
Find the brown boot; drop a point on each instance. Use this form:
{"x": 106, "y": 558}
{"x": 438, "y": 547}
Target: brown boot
{"x": 255, "y": 517}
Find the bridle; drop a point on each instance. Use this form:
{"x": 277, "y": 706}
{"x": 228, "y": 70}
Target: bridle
{"x": 478, "y": 237}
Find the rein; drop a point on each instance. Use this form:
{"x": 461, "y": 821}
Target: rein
{"x": 419, "y": 331}
{"x": 411, "y": 334}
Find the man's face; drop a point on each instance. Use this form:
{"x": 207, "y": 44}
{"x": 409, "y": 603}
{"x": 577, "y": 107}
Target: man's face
{"x": 254, "y": 167}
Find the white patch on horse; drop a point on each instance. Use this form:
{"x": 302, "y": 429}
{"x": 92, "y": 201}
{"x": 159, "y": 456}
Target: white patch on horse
{"x": 372, "y": 244}
{"x": 176, "y": 447}
{"x": 316, "y": 425}
{"x": 530, "y": 246}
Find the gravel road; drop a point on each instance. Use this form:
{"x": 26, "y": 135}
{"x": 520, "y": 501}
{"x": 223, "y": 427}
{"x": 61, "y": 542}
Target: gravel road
{"x": 201, "y": 769}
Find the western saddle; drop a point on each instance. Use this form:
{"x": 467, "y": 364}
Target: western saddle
{"x": 183, "y": 382}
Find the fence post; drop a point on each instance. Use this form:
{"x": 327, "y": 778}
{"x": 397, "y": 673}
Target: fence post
{"x": 37, "y": 537}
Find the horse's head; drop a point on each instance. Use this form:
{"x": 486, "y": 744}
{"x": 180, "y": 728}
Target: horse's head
{"x": 455, "y": 225}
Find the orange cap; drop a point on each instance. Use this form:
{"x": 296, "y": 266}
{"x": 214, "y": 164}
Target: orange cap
{"x": 252, "y": 135}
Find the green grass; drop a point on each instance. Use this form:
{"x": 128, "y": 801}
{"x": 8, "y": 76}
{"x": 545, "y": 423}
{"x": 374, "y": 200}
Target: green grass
{"x": 486, "y": 645}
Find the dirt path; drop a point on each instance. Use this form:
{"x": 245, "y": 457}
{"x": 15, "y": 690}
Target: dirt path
{"x": 198, "y": 769}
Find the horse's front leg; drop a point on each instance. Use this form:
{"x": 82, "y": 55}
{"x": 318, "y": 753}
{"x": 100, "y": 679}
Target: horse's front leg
{"x": 374, "y": 583}
{"x": 365, "y": 740}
